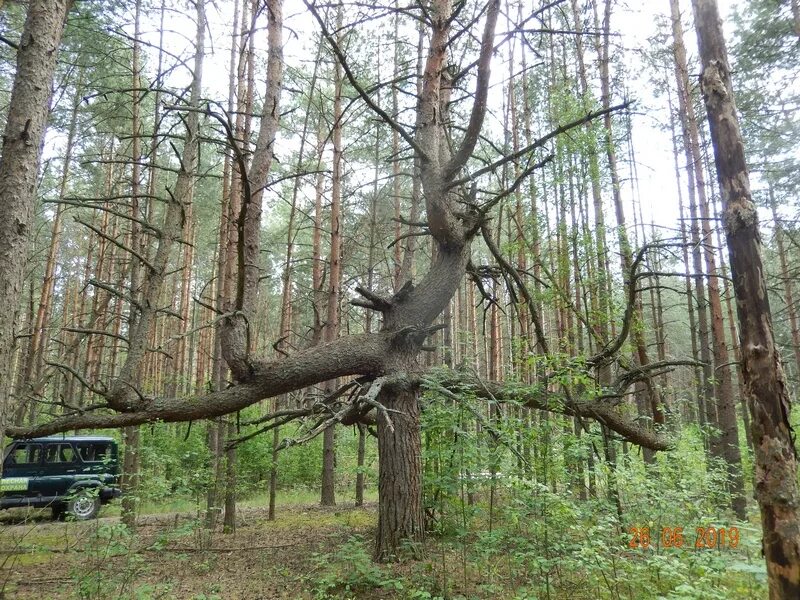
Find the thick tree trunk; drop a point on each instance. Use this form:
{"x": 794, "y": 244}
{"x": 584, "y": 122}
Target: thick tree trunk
{"x": 401, "y": 521}
{"x": 733, "y": 334}
{"x": 19, "y": 165}
{"x": 768, "y": 398}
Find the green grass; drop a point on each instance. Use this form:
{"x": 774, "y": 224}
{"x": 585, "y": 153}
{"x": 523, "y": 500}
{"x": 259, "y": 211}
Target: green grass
{"x": 284, "y": 498}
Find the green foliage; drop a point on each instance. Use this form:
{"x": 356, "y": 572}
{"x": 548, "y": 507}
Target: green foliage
{"x": 110, "y": 568}
{"x": 175, "y": 462}
{"x": 526, "y": 532}
{"x": 177, "y": 465}
{"x": 349, "y": 570}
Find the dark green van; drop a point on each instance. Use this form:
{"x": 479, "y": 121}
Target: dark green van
{"x": 70, "y": 475}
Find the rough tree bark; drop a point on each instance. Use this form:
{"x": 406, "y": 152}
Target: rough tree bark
{"x": 19, "y": 165}
{"x": 400, "y": 514}
{"x": 776, "y": 457}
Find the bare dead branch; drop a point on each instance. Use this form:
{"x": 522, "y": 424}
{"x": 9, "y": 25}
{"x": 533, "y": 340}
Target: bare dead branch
{"x": 409, "y": 234}
{"x": 96, "y": 332}
{"x": 541, "y": 398}
{"x": 116, "y": 242}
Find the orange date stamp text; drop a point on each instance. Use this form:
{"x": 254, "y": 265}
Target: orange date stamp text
{"x": 679, "y": 537}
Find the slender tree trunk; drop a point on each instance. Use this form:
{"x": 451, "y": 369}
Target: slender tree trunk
{"x": 690, "y": 303}
{"x": 360, "y": 456}
{"x": 317, "y": 265}
{"x": 768, "y": 398}
{"x": 243, "y": 243}
{"x": 689, "y": 127}
{"x": 727, "y": 442}
{"x": 601, "y": 290}
{"x": 398, "y": 259}
{"x": 328, "y": 491}
{"x": 223, "y": 284}
{"x": 408, "y": 269}
{"x": 130, "y": 463}
{"x": 284, "y": 329}
{"x": 788, "y": 291}
{"x": 229, "y": 515}
{"x": 653, "y": 395}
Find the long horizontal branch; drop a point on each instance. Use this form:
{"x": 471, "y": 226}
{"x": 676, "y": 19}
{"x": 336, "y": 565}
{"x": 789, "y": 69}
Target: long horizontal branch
{"x": 351, "y": 355}
{"x": 539, "y": 397}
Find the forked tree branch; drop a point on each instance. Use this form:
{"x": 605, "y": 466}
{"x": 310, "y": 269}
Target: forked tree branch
{"x": 478, "y": 112}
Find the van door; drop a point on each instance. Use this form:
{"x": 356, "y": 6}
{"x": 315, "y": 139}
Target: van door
{"x": 58, "y": 469}
{"x": 22, "y": 469}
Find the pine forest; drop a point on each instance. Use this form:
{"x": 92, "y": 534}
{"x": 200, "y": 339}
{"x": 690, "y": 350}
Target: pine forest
{"x": 420, "y": 299}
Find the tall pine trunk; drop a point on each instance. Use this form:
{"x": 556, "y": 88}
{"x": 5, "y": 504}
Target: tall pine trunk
{"x": 130, "y": 462}
{"x": 331, "y": 332}
{"x": 721, "y": 412}
{"x": 768, "y": 398}
{"x": 19, "y": 165}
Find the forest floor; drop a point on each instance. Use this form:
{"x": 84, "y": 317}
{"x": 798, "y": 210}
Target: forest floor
{"x": 312, "y": 552}
{"x": 172, "y": 556}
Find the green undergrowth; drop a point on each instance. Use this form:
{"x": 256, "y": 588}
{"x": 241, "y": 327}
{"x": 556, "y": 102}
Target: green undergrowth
{"x": 531, "y": 543}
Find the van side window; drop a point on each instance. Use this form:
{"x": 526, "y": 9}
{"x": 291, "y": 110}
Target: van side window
{"x": 59, "y": 453}
{"x": 94, "y": 451}
{"x": 25, "y": 454}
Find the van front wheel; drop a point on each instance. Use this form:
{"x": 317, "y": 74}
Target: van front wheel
{"x": 84, "y": 506}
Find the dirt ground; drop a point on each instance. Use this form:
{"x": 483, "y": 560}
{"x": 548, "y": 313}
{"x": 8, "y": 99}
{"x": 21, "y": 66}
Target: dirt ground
{"x": 172, "y": 556}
